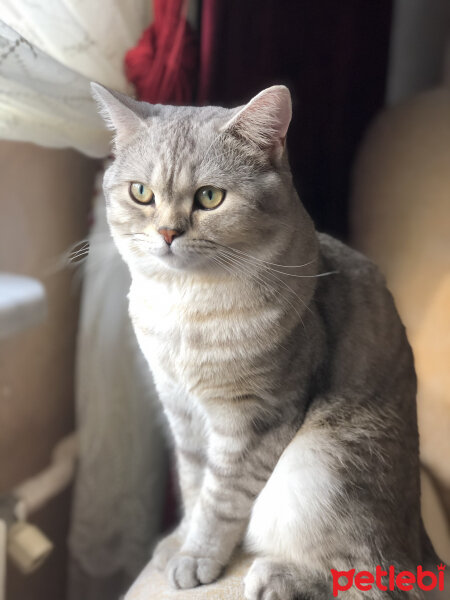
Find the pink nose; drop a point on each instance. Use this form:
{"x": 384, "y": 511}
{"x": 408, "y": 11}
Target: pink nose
{"x": 169, "y": 234}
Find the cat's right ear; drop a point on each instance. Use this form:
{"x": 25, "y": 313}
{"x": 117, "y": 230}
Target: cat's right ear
{"x": 122, "y": 114}
{"x": 264, "y": 121}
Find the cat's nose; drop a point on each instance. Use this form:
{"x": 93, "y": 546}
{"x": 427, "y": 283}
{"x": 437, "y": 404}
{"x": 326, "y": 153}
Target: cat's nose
{"x": 169, "y": 234}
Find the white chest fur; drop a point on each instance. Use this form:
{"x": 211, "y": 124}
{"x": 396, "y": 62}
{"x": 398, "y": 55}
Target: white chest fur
{"x": 201, "y": 334}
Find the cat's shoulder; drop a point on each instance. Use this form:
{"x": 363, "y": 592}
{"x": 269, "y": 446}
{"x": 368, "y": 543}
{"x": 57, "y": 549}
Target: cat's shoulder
{"x": 337, "y": 256}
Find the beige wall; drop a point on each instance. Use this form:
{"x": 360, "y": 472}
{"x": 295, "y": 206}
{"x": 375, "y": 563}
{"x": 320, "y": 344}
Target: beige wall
{"x": 44, "y": 207}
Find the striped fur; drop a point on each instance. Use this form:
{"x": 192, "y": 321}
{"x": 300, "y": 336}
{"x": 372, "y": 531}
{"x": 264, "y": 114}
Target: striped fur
{"x": 277, "y": 352}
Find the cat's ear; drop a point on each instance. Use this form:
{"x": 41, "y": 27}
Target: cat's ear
{"x": 122, "y": 114}
{"x": 264, "y": 120}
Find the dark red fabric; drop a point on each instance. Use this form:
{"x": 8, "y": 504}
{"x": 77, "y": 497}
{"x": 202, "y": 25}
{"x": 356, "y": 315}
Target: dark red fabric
{"x": 333, "y": 57}
{"x": 163, "y": 65}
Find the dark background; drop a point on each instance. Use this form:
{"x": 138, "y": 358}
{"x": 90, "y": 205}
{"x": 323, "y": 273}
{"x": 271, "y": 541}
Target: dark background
{"x": 333, "y": 57}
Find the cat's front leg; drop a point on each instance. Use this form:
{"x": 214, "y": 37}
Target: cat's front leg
{"x": 190, "y": 460}
{"x": 233, "y": 479}
{"x": 190, "y": 476}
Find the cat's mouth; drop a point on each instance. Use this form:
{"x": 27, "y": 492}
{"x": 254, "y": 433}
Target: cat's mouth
{"x": 182, "y": 254}
{"x": 179, "y": 256}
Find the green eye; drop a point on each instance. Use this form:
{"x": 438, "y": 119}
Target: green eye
{"x": 209, "y": 197}
{"x": 141, "y": 193}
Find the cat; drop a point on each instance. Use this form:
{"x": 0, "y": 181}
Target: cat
{"x": 277, "y": 352}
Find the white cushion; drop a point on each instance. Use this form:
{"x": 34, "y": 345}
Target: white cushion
{"x": 153, "y": 585}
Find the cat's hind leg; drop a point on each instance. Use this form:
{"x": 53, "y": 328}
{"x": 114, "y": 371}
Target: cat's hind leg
{"x": 270, "y": 579}
{"x": 290, "y": 518}
{"x": 333, "y": 502}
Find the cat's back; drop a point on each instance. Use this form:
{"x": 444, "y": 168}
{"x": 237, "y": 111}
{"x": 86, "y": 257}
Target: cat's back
{"x": 352, "y": 285}
{"x": 346, "y": 261}
{"x": 365, "y": 337}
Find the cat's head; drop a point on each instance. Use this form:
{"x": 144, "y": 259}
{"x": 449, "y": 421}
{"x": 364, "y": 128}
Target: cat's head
{"x": 187, "y": 184}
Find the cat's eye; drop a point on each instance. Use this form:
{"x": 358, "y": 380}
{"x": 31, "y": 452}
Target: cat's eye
{"x": 209, "y": 197}
{"x": 141, "y": 193}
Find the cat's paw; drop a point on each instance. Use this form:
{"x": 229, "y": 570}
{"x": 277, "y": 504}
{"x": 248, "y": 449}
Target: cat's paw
{"x": 166, "y": 548}
{"x": 186, "y": 571}
{"x": 268, "y": 580}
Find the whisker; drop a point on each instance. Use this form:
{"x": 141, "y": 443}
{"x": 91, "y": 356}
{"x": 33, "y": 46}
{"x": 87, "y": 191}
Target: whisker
{"x": 286, "y": 286}
{"x": 71, "y": 257}
{"x": 265, "y": 261}
{"x": 246, "y": 270}
{"x": 76, "y": 260}
{"x": 251, "y": 260}
{"x": 221, "y": 264}
{"x": 268, "y": 284}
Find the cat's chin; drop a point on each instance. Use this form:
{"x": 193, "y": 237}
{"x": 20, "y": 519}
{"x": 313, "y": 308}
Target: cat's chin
{"x": 183, "y": 262}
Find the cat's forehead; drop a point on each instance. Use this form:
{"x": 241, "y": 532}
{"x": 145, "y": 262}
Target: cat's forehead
{"x": 185, "y": 130}
{"x": 180, "y": 144}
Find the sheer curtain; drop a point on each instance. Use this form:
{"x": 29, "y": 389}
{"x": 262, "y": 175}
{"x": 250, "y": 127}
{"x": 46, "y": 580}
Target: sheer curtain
{"x": 35, "y": 105}
{"x": 48, "y": 54}
{"x": 55, "y": 49}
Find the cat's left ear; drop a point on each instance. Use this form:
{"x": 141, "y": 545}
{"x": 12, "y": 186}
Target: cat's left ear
{"x": 264, "y": 121}
{"x": 122, "y": 114}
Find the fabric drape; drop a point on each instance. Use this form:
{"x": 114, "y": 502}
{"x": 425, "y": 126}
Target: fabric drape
{"x": 57, "y": 47}
{"x": 163, "y": 65}
{"x": 49, "y": 52}
{"x": 39, "y": 109}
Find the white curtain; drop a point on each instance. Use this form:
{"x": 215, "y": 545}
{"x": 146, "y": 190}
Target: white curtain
{"x": 121, "y": 482}
{"x": 46, "y": 62}
{"x": 42, "y": 101}
{"x": 49, "y": 51}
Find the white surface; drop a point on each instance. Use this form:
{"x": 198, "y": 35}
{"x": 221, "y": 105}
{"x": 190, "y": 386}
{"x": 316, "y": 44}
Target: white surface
{"x": 153, "y": 585}
{"x": 22, "y": 303}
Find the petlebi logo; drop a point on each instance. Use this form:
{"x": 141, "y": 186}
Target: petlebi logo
{"x": 390, "y": 580}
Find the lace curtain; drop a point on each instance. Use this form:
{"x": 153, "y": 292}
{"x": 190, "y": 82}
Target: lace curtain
{"x": 52, "y": 51}
{"x": 48, "y": 54}
{"x": 35, "y": 105}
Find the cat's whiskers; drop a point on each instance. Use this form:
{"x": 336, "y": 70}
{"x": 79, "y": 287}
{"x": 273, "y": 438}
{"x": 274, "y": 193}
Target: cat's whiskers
{"x": 266, "y": 283}
{"x": 265, "y": 261}
{"x": 134, "y": 234}
{"x": 78, "y": 256}
{"x": 252, "y": 261}
{"x": 244, "y": 275}
{"x": 244, "y": 272}
{"x": 287, "y": 286}
{"x": 75, "y": 255}
{"x": 219, "y": 261}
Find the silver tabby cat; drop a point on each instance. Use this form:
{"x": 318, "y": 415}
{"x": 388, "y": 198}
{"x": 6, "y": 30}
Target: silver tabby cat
{"x": 277, "y": 352}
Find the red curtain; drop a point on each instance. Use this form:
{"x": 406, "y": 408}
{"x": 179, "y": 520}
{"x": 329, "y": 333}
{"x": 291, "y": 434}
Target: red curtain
{"x": 163, "y": 65}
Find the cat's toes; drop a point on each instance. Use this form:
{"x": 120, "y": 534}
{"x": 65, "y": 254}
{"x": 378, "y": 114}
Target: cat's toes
{"x": 267, "y": 580}
{"x": 186, "y": 571}
{"x": 166, "y": 548}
